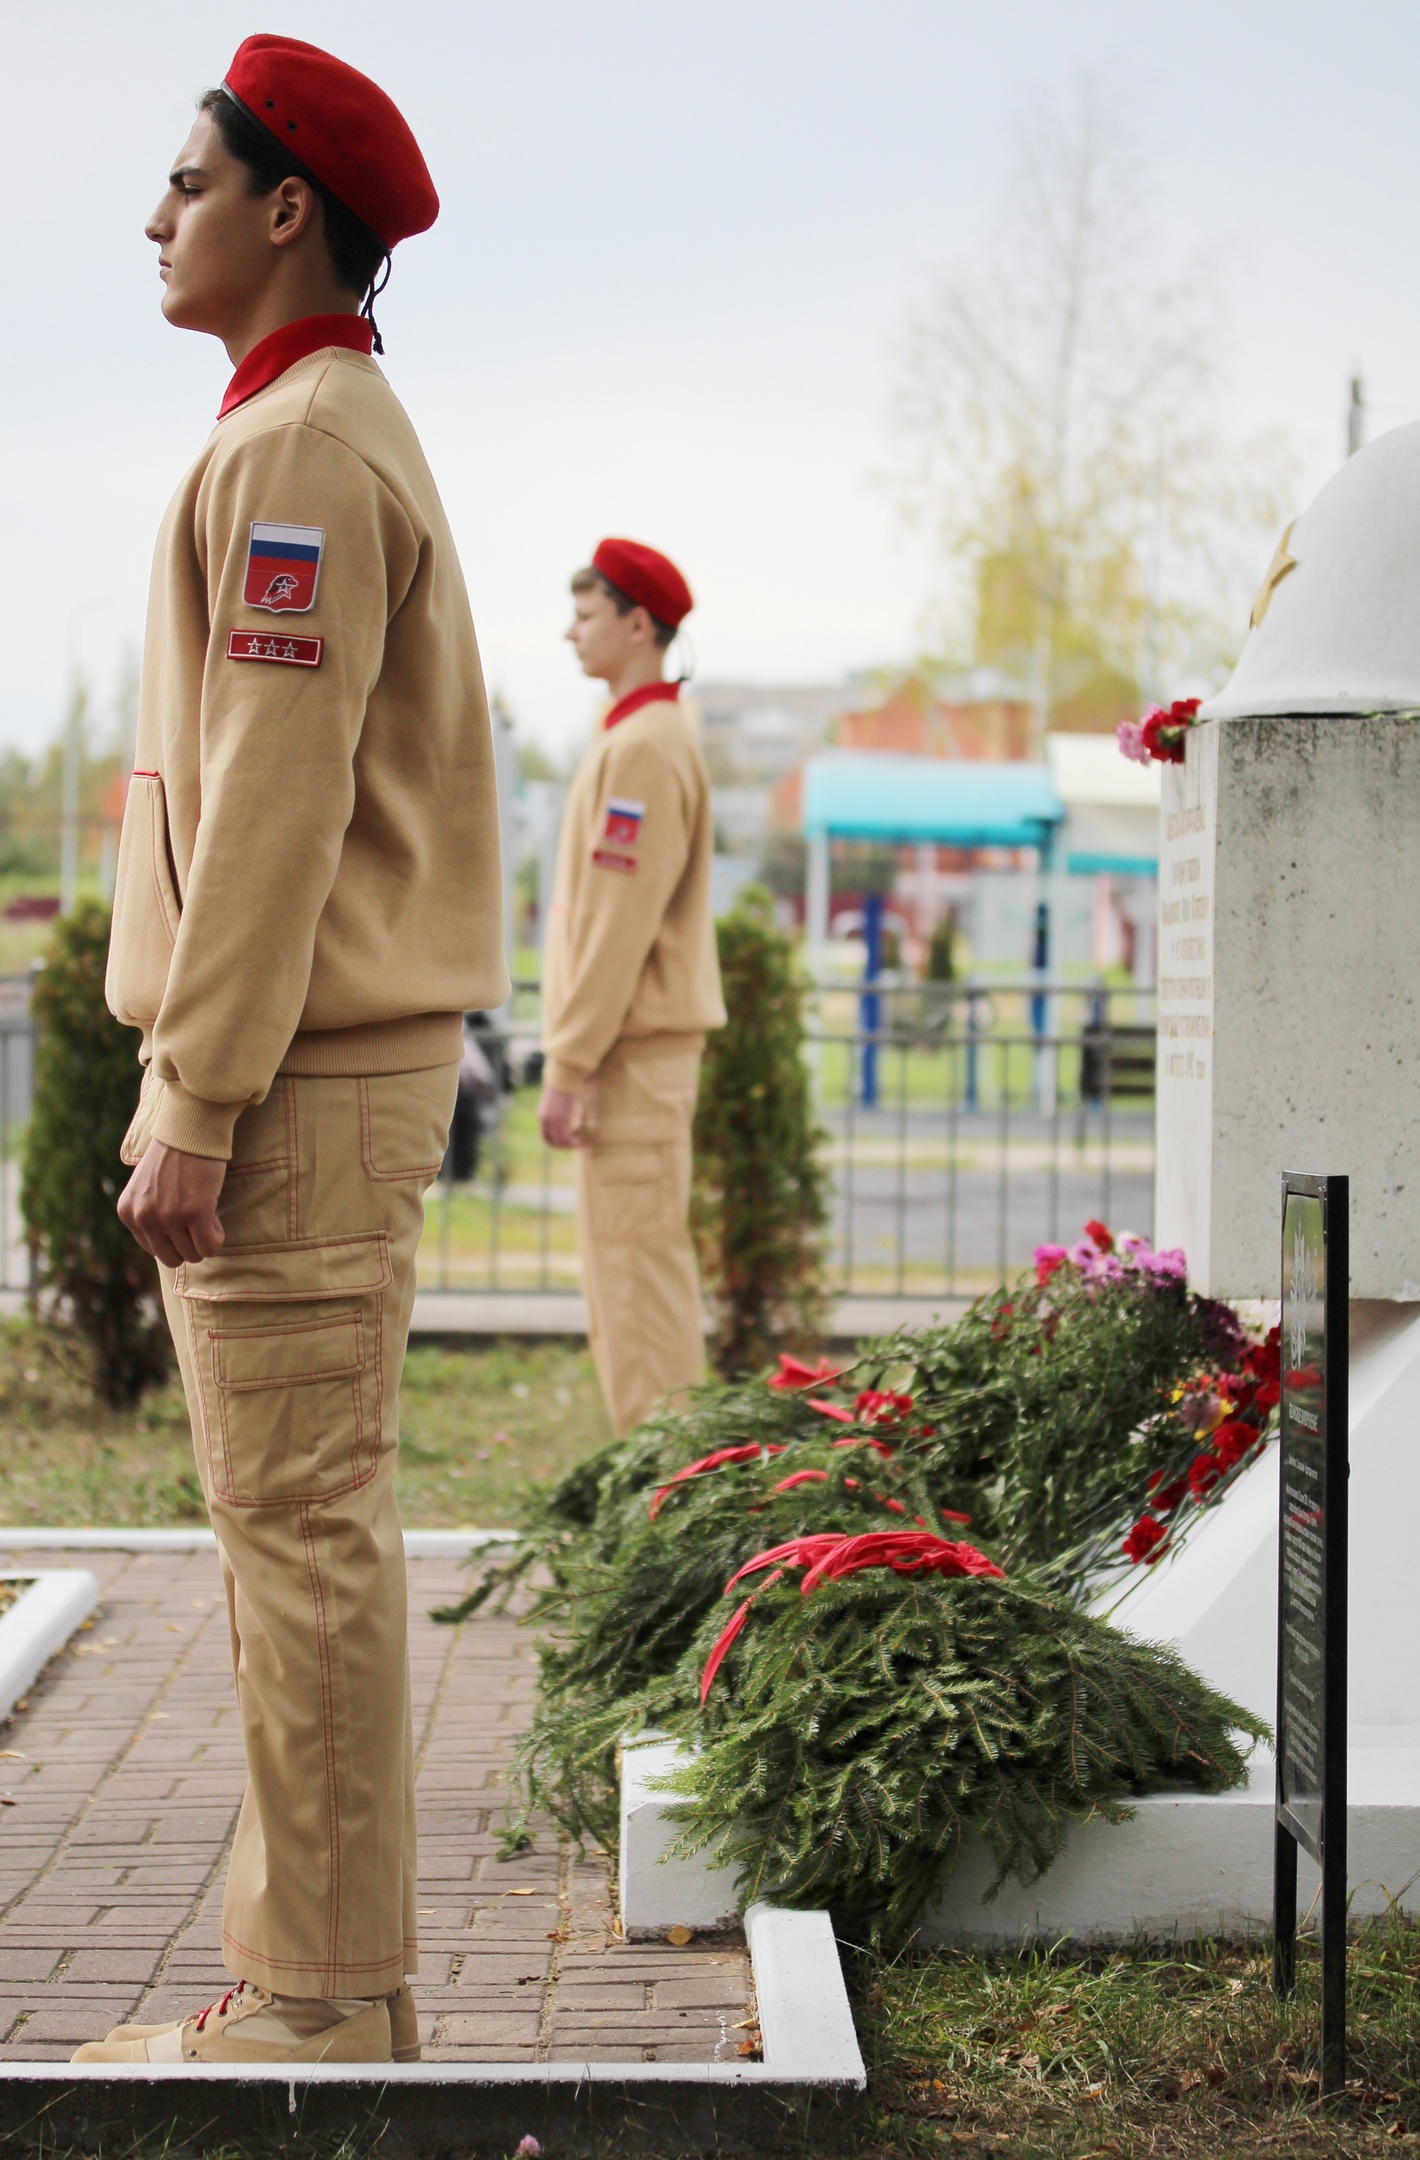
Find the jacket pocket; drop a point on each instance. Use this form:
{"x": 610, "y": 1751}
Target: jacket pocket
{"x": 146, "y": 913}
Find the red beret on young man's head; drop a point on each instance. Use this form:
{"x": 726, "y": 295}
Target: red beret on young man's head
{"x": 341, "y": 127}
{"x": 650, "y": 579}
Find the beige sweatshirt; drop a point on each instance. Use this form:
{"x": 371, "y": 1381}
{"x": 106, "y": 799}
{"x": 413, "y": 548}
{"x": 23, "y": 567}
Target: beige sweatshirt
{"x": 630, "y": 956}
{"x": 308, "y": 874}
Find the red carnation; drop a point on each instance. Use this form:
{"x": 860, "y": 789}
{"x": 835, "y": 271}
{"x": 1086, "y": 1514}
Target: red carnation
{"x": 1263, "y": 1361}
{"x": 1165, "y": 1498}
{"x": 873, "y": 1407}
{"x": 1232, "y": 1441}
{"x": 1100, "y": 1236}
{"x": 723, "y": 1455}
{"x": 793, "y": 1373}
{"x": 1204, "y": 1473}
{"x": 1144, "y": 1540}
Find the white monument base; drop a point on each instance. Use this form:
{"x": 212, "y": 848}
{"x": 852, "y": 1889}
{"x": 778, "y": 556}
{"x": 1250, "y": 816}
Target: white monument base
{"x": 1186, "y": 1863}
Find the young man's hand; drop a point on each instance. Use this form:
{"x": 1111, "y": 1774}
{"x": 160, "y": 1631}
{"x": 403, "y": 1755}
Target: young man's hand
{"x": 559, "y": 1115}
{"x": 170, "y": 1204}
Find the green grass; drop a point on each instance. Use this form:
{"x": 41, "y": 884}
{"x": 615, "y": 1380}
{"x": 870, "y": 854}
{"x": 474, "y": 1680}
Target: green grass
{"x": 1181, "y": 2052}
{"x": 475, "y": 1426}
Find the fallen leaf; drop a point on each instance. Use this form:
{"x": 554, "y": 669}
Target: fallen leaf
{"x": 12, "y": 1754}
{"x": 680, "y": 1936}
{"x": 1030, "y": 2062}
{"x": 520, "y": 1893}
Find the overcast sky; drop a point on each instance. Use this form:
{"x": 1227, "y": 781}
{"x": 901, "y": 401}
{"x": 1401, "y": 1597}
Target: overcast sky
{"x": 666, "y": 296}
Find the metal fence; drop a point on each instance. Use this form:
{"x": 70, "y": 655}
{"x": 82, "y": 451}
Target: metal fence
{"x": 961, "y": 1126}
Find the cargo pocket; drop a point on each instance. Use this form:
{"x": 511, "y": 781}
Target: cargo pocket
{"x": 287, "y": 1342}
{"x": 631, "y": 1196}
{"x": 292, "y": 1409}
{"x": 146, "y": 912}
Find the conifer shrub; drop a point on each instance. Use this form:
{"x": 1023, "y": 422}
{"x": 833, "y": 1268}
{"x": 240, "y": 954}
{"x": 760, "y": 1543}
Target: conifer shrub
{"x": 860, "y": 1731}
{"x": 759, "y": 1203}
{"x": 86, "y": 1082}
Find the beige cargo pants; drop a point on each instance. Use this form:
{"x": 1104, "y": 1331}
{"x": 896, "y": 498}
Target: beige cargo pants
{"x": 291, "y": 1344}
{"x": 638, "y": 1265}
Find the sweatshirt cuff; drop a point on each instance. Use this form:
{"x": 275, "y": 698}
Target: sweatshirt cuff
{"x": 569, "y": 1078}
{"x": 197, "y": 1127}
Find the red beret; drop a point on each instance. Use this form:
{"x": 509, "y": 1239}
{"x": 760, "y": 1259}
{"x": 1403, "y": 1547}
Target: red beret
{"x": 651, "y": 580}
{"x": 341, "y": 127}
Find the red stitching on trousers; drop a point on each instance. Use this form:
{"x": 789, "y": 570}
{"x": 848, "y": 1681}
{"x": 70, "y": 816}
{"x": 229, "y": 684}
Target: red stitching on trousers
{"x": 316, "y": 1965}
{"x": 331, "y": 1781}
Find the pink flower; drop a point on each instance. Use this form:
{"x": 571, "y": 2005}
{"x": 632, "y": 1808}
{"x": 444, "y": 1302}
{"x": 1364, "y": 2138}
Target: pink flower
{"x": 1049, "y": 1259}
{"x": 1130, "y": 737}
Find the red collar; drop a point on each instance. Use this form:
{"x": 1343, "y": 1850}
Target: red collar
{"x": 648, "y": 694}
{"x": 292, "y": 342}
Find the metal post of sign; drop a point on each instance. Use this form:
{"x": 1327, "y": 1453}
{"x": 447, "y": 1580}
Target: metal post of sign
{"x": 1311, "y": 1589}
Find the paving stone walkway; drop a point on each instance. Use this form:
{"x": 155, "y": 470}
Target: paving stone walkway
{"x": 119, "y": 1787}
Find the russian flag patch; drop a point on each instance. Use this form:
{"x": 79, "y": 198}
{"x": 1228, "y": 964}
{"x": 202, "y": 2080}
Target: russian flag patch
{"x": 283, "y": 567}
{"x": 623, "y": 821}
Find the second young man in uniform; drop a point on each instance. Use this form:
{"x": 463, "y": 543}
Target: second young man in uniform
{"x": 631, "y": 982}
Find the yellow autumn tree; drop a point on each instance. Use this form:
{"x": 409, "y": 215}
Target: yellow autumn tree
{"x": 1060, "y": 405}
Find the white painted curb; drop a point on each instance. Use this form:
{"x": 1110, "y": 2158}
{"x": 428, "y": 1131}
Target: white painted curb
{"x": 39, "y": 1623}
{"x": 805, "y": 2022}
{"x": 418, "y": 1544}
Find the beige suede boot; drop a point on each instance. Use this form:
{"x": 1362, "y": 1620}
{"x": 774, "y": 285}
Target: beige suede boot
{"x": 249, "y": 2025}
{"x": 404, "y": 2023}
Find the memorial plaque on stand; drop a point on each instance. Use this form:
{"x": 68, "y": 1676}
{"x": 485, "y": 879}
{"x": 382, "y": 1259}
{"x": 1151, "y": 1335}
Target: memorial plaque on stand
{"x": 1311, "y": 1589}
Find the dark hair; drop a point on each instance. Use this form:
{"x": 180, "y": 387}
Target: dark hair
{"x": 355, "y": 252}
{"x": 590, "y": 580}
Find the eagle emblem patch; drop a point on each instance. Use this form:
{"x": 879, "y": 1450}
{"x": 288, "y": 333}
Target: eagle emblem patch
{"x": 623, "y": 821}
{"x": 283, "y": 567}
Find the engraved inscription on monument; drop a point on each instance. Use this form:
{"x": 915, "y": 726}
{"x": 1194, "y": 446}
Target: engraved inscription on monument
{"x": 1186, "y": 931}
{"x": 1302, "y": 1648}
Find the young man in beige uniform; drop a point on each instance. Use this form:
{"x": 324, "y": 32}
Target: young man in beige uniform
{"x": 631, "y": 981}
{"x": 307, "y": 900}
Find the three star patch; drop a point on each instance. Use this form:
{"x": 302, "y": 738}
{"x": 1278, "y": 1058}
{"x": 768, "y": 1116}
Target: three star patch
{"x": 283, "y": 568}
{"x": 274, "y": 645}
